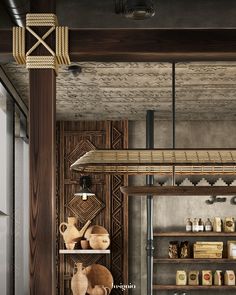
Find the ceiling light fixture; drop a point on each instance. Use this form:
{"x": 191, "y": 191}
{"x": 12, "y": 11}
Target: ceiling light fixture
{"x": 85, "y": 184}
{"x": 158, "y": 161}
{"x": 75, "y": 70}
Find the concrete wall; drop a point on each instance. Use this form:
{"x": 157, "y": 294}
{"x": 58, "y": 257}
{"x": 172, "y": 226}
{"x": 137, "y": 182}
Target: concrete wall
{"x": 170, "y": 213}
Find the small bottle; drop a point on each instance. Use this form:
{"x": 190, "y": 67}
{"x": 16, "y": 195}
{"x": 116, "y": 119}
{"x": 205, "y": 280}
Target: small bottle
{"x": 208, "y": 225}
{"x": 200, "y": 225}
{"x": 189, "y": 225}
{"x": 195, "y": 225}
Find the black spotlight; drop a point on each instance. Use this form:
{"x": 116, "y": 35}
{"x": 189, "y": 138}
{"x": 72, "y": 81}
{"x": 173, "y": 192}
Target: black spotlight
{"x": 75, "y": 70}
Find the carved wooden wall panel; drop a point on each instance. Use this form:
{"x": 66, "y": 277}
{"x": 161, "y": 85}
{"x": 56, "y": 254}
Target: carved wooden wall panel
{"x": 119, "y": 209}
{"x": 108, "y": 208}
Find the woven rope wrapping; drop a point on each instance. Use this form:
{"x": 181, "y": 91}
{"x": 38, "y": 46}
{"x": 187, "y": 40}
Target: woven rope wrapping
{"x": 41, "y": 62}
{"x": 41, "y": 19}
{"x": 57, "y": 57}
{"x": 158, "y": 161}
{"x": 62, "y": 45}
{"x": 19, "y": 44}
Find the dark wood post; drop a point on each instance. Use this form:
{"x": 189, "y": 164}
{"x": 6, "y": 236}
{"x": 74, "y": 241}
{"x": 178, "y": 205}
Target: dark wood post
{"x": 42, "y": 171}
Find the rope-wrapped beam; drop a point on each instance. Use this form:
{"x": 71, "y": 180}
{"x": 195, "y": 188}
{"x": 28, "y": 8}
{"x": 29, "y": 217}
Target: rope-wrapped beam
{"x": 58, "y": 56}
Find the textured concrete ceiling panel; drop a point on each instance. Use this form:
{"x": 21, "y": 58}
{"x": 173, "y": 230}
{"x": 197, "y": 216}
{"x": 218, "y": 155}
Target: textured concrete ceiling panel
{"x": 110, "y": 91}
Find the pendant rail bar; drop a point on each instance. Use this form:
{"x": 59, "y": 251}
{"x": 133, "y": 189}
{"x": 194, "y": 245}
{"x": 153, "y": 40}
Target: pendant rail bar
{"x": 150, "y": 182}
{"x": 179, "y": 190}
{"x": 173, "y": 118}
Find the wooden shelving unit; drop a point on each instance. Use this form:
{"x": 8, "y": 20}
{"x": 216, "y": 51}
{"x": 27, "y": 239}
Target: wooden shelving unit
{"x": 89, "y": 251}
{"x": 193, "y": 234}
{"x": 189, "y": 288}
{"x": 179, "y": 234}
{"x": 193, "y": 261}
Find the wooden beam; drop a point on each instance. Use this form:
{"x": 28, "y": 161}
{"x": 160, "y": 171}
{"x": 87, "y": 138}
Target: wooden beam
{"x": 42, "y": 138}
{"x": 152, "y": 44}
{"x": 42, "y": 181}
{"x": 179, "y": 190}
{"x": 143, "y": 45}
{"x": 6, "y": 46}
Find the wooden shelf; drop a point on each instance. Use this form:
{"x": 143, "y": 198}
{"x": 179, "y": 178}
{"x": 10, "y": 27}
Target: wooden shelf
{"x": 89, "y": 251}
{"x": 188, "y": 288}
{"x": 193, "y": 234}
{"x": 192, "y": 260}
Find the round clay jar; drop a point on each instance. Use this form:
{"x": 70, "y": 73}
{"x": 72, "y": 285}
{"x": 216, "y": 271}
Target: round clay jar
{"x": 99, "y": 241}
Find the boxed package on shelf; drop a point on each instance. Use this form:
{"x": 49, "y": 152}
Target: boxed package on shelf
{"x": 211, "y": 250}
{"x": 193, "y": 278}
{"x": 207, "y": 255}
{"x": 218, "y": 246}
{"x": 229, "y": 278}
{"x": 206, "y": 277}
{"x": 181, "y": 278}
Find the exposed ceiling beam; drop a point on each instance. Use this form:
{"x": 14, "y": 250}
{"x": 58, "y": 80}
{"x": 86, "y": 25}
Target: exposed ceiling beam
{"x": 143, "y": 45}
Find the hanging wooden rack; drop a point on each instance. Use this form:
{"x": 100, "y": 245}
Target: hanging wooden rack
{"x": 158, "y": 161}
{"x": 178, "y": 190}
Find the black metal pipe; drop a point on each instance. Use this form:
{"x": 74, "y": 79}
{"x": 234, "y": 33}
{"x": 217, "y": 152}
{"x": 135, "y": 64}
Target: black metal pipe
{"x": 17, "y": 10}
{"x": 173, "y": 105}
{"x": 150, "y": 181}
{"x": 173, "y": 118}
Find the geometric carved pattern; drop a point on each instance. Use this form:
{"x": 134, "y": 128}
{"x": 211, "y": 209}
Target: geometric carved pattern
{"x": 85, "y": 210}
{"x": 116, "y": 139}
{"x": 117, "y": 215}
{"x": 117, "y": 230}
{"x": 82, "y": 147}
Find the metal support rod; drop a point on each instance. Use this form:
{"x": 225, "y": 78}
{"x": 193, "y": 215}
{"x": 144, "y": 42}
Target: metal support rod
{"x": 173, "y": 117}
{"x": 150, "y": 181}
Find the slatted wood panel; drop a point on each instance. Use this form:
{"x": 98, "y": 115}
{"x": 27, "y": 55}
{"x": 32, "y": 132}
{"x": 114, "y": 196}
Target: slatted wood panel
{"x": 108, "y": 208}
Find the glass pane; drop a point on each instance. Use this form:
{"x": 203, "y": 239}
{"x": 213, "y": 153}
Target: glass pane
{"x": 21, "y": 207}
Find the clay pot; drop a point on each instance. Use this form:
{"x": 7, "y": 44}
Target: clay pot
{"x": 95, "y": 229}
{"x": 100, "y": 290}
{"x": 84, "y": 244}
{"x": 79, "y": 281}
{"x": 99, "y": 241}
{"x": 71, "y": 233}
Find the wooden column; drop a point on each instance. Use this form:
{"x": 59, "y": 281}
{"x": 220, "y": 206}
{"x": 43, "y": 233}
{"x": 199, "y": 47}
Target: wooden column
{"x": 42, "y": 170}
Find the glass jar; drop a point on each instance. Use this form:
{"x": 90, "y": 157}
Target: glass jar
{"x": 189, "y": 225}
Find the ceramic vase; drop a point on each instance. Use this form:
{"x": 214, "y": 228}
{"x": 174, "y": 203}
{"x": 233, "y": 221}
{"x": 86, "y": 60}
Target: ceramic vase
{"x": 79, "y": 281}
{"x": 100, "y": 290}
{"x": 71, "y": 234}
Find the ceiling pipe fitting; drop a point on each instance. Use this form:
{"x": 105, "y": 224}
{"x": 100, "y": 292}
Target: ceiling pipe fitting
{"x": 139, "y": 9}
{"x": 135, "y": 9}
{"x": 17, "y": 10}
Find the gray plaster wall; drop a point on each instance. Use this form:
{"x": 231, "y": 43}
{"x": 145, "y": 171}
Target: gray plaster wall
{"x": 170, "y": 213}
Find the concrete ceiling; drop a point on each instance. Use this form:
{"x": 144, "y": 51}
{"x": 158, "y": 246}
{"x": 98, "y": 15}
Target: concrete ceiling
{"x": 110, "y": 91}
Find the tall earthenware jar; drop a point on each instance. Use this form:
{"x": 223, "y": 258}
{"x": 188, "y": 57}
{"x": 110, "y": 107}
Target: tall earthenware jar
{"x": 79, "y": 282}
